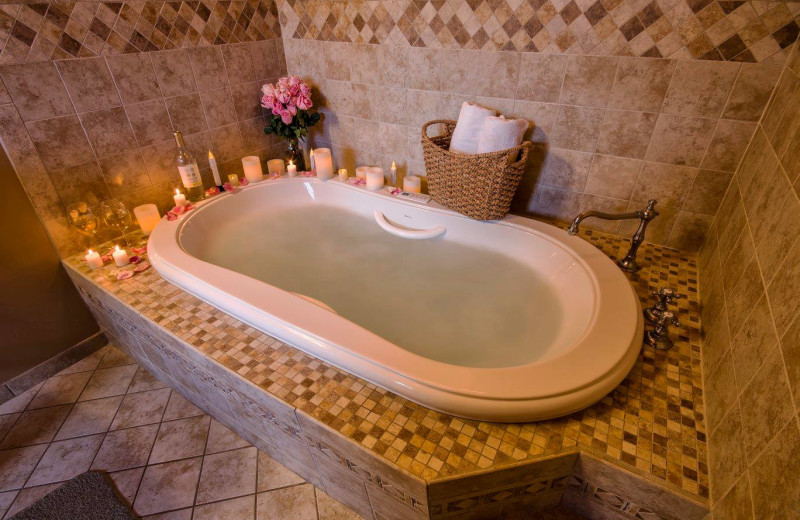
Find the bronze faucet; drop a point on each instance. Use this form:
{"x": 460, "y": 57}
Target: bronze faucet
{"x": 627, "y": 264}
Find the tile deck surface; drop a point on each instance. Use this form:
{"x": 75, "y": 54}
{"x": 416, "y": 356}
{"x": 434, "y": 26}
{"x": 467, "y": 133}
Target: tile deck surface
{"x": 651, "y": 424}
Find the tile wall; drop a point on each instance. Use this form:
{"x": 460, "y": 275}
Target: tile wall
{"x": 610, "y": 132}
{"x": 99, "y": 126}
{"x": 750, "y": 279}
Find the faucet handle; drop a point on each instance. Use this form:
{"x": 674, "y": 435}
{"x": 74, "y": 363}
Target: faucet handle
{"x": 658, "y": 337}
{"x": 668, "y": 318}
{"x": 665, "y": 297}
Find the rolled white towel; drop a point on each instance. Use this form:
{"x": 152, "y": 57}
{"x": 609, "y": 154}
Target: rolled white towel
{"x": 499, "y": 133}
{"x": 468, "y": 128}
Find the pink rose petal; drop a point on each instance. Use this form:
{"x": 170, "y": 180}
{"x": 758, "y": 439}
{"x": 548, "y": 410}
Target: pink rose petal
{"x": 124, "y": 275}
{"x": 144, "y": 266}
{"x": 243, "y": 181}
{"x": 210, "y": 192}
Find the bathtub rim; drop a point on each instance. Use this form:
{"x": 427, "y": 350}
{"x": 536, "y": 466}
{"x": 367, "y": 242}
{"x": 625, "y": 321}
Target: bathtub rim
{"x": 501, "y": 400}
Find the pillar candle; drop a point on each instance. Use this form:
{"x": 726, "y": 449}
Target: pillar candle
{"x": 343, "y": 174}
{"x": 252, "y": 168}
{"x": 292, "y": 169}
{"x": 148, "y": 217}
{"x": 412, "y": 184}
{"x": 361, "y": 172}
{"x": 323, "y": 163}
{"x": 276, "y": 166}
{"x": 179, "y": 198}
{"x": 120, "y": 257}
{"x": 375, "y": 179}
{"x": 94, "y": 259}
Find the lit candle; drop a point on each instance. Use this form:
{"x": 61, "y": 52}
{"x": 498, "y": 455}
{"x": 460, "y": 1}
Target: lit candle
{"x": 393, "y": 174}
{"x": 233, "y": 179}
{"x": 292, "y": 169}
{"x": 311, "y": 158}
{"x": 276, "y": 166}
{"x": 212, "y": 161}
{"x": 375, "y": 179}
{"x": 94, "y": 259}
{"x": 120, "y": 257}
{"x": 323, "y": 163}
{"x": 148, "y": 217}
{"x": 343, "y": 174}
{"x": 180, "y": 198}
{"x": 412, "y": 184}
{"x": 361, "y": 172}
{"x": 252, "y": 168}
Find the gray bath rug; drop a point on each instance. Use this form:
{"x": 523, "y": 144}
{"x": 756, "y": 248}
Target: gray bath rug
{"x": 90, "y": 496}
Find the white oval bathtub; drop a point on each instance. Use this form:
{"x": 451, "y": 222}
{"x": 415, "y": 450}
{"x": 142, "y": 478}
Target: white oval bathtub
{"x": 508, "y": 321}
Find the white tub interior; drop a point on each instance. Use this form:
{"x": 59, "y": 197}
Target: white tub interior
{"x": 488, "y": 300}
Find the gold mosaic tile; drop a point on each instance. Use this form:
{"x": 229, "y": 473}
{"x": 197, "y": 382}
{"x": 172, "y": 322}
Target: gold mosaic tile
{"x": 63, "y": 30}
{"x": 725, "y": 30}
{"x": 651, "y": 424}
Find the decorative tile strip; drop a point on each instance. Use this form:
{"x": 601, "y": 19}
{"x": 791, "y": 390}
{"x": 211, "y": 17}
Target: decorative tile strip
{"x": 729, "y": 30}
{"x": 45, "y": 31}
{"x": 612, "y": 500}
{"x": 513, "y": 493}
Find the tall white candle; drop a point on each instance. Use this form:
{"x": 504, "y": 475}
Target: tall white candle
{"x": 212, "y": 161}
{"x": 252, "y": 168}
{"x": 393, "y": 174}
{"x": 179, "y": 198}
{"x": 412, "y": 184}
{"x": 120, "y": 257}
{"x": 311, "y": 163}
{"x": 276, "y": 166}
{"x": 292, "y": 169}
{"x": 148, "y": 217}
{"x": 323, "y": 163}
{"x": 94, "y": 259}
{"x": 361, "y": 172}
{"x": 375, "y": 179}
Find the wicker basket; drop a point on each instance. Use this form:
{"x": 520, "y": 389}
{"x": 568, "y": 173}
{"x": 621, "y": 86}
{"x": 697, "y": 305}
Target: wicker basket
{"x": 479, "y": 186}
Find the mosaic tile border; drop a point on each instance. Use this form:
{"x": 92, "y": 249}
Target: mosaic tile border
{"x": 727, "y": 30}
{"x": 652, "y": 424}
{"x": 611, "y": 500}
{"x": 62, "y": 30}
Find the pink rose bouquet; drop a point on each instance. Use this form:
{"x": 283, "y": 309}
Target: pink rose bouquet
{"x": 289, "y": 100}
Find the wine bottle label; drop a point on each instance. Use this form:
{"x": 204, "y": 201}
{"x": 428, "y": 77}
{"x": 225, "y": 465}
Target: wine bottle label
{"x": 190, "y": 175}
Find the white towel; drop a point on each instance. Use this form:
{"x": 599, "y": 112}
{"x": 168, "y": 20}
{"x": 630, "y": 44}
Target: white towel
{"x": 468, "y": 128}
{"x": 499, "y": 133}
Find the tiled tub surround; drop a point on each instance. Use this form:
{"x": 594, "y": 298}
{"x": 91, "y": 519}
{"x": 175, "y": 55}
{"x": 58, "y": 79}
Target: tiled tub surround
{"x": 93, "y": 129}
{"x": 371, "y": 449}
{"x": 750, "y": 274}
{"x": 610, "y": 132}
{"x": 700, "y": 29}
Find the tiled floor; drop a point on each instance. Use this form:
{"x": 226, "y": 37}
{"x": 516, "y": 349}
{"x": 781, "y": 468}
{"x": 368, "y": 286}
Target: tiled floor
{"x": 169, "y": 459}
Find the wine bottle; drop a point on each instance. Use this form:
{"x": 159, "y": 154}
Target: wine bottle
{"x": 190, "y": 172}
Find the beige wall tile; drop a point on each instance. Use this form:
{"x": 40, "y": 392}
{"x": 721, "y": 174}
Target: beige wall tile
{"x": 588, "y": 80}
{"x": 707, "y": 191}
{"x": 173, "y": 72}
{"x": 492, "y": 74}
{"x": 751, "y": 91}
{"x": 612, "y": 176}
{"x": 680, "y": 140}
{"x": 37, "y": 90}
{"x": 218, "y": 107}
{"x": 625, "y": 133}
{"x": 775, "y": 478}
{"x": 208, "y": 67}
{"x": 108, "y": 130}
{"x": 779, "y": 237}
{"x": 566, "y": 169}
{"x": 728, "y": 145}
{"x": 689, "y": 231}
{"x": 578, "y": 128}
{"x": 641, "y": 84}
{"x": 541, "y": 76}
{"x": 700, "y": 88}
{"x": 267, "y": 62}
{"x": 150, "y": 122}
{"x": 60, "y": 142}
{"x": 725, "y": 458}
{"x": 83, "y": 182}
{"x": 89, "y": 83}
{"x": 736, "y": 505}
{"x": 227, "y": 142}
{"x": 666, "y": 183}
{"x": 247, "y": 100}
{"x": 124, "y": 172}
{"x": 722, "y": 392}
{"x": 783, "y": 290}
{"x": 134, "y": 76}
{"x": 238, "y": 63}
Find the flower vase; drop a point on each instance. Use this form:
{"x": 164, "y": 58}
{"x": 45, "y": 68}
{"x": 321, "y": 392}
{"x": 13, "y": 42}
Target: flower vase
{"x": 294, "y": 153}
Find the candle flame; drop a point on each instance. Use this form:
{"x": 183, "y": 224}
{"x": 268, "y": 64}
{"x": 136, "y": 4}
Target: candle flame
{"x": 210, "y": 155}
{"x": 291, "y": 163}
{"x": 177, "y": 191}
{"x": 393, "y": 165}
{"x": 311, "y": 152}
{"x": 116, "y": 248}
{"x": 91, "y": 252}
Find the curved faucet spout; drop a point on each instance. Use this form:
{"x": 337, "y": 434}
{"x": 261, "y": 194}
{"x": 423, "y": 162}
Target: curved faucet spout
{"x": 645, "y": 216}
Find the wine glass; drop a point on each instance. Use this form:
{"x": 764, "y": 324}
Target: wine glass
{"x": 83, "y": 220}
{"x": 116, "y": 216}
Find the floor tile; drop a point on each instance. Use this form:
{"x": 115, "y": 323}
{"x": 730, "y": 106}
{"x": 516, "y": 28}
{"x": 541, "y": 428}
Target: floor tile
{"x": 242, "y": 508}
{"x": 115, "y": 357}
{"x": 228, "y": 474}
{"x": 292, "y": 503}
{"x": 28, "y": 496}
{"x": 89, "y": 417}
{"x": 141, "y": 408}
{"x": 128, "y": 448}
{"x": 330, "y": 509}
{"x": 60, "y": 390}
{"x": 181, "y": 514}
{"x": 87, "y": 364}
{"x": 6, "y": 498}
{"x": 17, "y": 464}
{"x": 6, "y": 422}
{"x": 20, "y": 402}
{"x": 65, "y": 459}
{"x": 127, "y": 482}
{"x": 274, "y": 475}
{"x": 180, "y": 439}
{"x": 220, "y": 438}
{"x": 108, "y": 381}
{"x": 168, "y": 486}
{"x": 143, "y": 381}
{"x": 36, "y": 427}
{"x": 180, "y": 408}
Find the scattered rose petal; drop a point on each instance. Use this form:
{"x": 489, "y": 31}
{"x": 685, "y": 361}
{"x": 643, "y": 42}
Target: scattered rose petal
{"x": 139, "y": 250}
{"x": 393, "y": 191}
{"x": 178, "y": 210}
{"x": 273, "y": 176}
{"x": 171, "y": 216}
{"x": 243, "y": 181}
{"x": 106, "y": 258}
{"x": 310, "y": 173}
{"x": 356, "y": 181}
{"x": 144, "y": 266}
{"x": 135, "y": 259}
{"x": 210, "y": 192}
{"x": 124, "y": 275}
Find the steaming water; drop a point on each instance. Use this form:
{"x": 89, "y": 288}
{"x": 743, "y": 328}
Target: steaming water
{"x": 442, "y": 300}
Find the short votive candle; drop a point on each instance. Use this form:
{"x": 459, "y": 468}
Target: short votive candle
{"x": 276, "y": 166}
{"x": 120, "y": 257}
{"x": 94, "y": 259}
{"x": 252, "y": 168}
{"x": 179, "y": 198}
{"x": 343, "y": 174}
{"x": 291, "y": 169}
{"x": 361, "y": 172}
{"x": 148, "y": 217}
{"x": 412, "y": 184}
{"x": 233, "y": 179}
